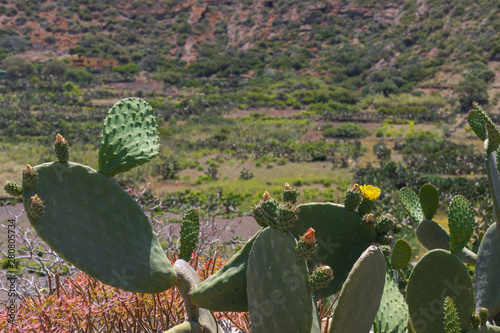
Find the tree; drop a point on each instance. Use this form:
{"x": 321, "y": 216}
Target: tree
{"x": 55, "y": 68}
{"x": 469, "y": 90}
{"x": 17, "y": 67}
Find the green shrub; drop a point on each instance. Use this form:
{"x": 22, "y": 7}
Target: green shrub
{"x": 346, "y": 131}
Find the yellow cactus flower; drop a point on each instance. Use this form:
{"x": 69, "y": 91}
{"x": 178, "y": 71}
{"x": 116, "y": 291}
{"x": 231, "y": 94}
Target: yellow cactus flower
{"x": 370, "y": 192}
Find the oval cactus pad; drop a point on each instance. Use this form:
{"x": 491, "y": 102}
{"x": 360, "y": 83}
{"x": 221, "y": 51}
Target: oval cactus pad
{"x": 93, "y": 223}
{"x": 129, "y": 138}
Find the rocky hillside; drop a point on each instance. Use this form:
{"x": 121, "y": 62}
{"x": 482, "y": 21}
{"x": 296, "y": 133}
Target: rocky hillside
{"x": 380, "y": 46}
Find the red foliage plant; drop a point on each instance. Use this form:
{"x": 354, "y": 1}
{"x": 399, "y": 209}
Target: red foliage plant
{"x": 83, "y": 304}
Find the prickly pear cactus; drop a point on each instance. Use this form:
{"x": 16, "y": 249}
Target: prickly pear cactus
{"x": 339, "y": 237}
{"x": 279, "y": 298}
{"x": 392, "y": 315}
{"x": 461, "y": 223}
{"x": 93, "y": 223}
{"x": 90, "y": 220}
{"x": 411, "y": 203}
{"x": 226, "y": 289}
{"x": 401, "y": 254}
{"x": 429, "y": 200}
{"x": 451, "y": 320}
{"x": 12, "y": 188}
{"x": 360, "y": 296}
{"x": 199, "y": 320}
{"x": 130, "y": 137}
{"x": 487, "y": 276}
{"x": 352, "y": 197}
{"x": 438, "y": 274}
{"x": 190, "y": 231}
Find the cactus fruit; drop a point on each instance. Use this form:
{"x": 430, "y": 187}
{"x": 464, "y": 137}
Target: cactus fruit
{"x": 352, "y": 197}
{"x": 411, "y": 203}
{"x": 461, "y": 223}
{"x": 392, "y": 315}
{"x": 475, "y": 321}
{"x": 370, "y": 194}
{"x": 451, "y": 320}
{"x": 12, "y": 188}
{"x": 266, "y": 212}
{"x": 386, "y": 250}
{"x": 385, "y": 223}
{"x": 360, "y": 297}
{"x": 401, "y": 254}
{"x": 385, "y": 239}
{"x": 35, "y": 207}
{"x": 190, "y": 230}
{"x": 339, "y": 237}
{"x": 429, "y": 200}
{"x": 290, "y": 194}
{"x": 130, "y": 137}
{"x": 279, "y": 298}
{"x": 286, "y": 216}
{"x": 487, "y": 273}
{"x": 61, "y": 148}
{"x": 483, "y": 315}
{"x": 306, "y": 246}
{"x": 30, "y": 177}
{"x": 397, "y": 228}
{"x": 225, "y": 290}
{"x": 438, "y": 274}
{"x": 368, "y": 223}
{"x": 320, "y": 277}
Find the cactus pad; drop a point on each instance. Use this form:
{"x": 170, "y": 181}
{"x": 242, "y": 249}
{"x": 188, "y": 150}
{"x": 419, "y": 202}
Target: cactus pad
{"x": 279, "y": 298}
{"x": 187, "y": 279}
{"x": 392, "y": 315}
{"x": 451, "y": 320}
{"x": 401, "y": 254}
{"x": 438, "y": 274}
{"x": 487, "y": 278}
{"x": 434, "y": 236}
{"x": 130, "y": 137}
{"x": 225, "y": 290}
{"x": 351, "y": 314}
{"x": 411, "y": 203}
{"x": 476, "y": 122}
{"x": 94, "y": 224}
{"x": 461, "y": 223}
{"x": 429, "y": 200}
{"x": 486, "y": 329}
{"x": 493, "y": 135}
{"x": 190, "y": 230}
{"x": 339, "y": 237}
{"x": 12, "y": 188}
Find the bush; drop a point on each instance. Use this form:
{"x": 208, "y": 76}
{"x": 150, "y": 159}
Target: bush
{"x": 381, "y": 150}
{"x": 129, "y": 68}
{"x": 78, "y": 75}
{"x": 346, "y": 131}
{"x": 17, "y": 67}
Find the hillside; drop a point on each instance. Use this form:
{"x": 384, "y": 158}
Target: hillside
{"x": 381, "y": 46}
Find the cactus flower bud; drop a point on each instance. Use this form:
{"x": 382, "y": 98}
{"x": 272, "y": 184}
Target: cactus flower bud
{"x": 30, "y": 176}
{"x": 266, "y": 196}
{"x": 309, "y": 238}
{"x": 35, "y": 207}
{"x": 483, "y": 315}
{"x": 290, "y": 194}
{"x": 61, "y": 148}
